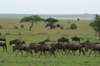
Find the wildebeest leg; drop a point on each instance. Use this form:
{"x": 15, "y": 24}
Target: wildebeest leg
{"x": 71, "y": 52}
{"x": 6, "y": 48}
{"x": 95, "y": 53}
{"x": 40, "y": 54}
{"x": 17, "y": 52}
{"x": 50, "y": 54}
{"x": 31, "y": 52}
{"x": 79, "y": 52}
{"x": 44, "y": 53}
{"x": 68, "y": 52}
{"x": 83, "y": 52}
{"x": 90, "y": 53}
{"x": 65, "y": 52}
{"x": 26, "y": 54}
{"x": 3, "y": 48}
{"x": 74, "y": 52}
{"x": 98, "y": 53}
{"x": 22, "y": 53}
{"x": 61, "y": 51}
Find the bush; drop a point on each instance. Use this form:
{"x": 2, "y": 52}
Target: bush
{"x": 19, "y": 33}
{"x": 78, "y": 19}
{"x": 68, "y": 21}
{"x": 73, "y": 26}
{"x": 15, "y": 27}
{"x": 67, "y": 28}
{"x": 61, "y": 27}
{"x": 22, "y": 26}
{"x": 1, "y": 26}
{"x": 57, "y": 25}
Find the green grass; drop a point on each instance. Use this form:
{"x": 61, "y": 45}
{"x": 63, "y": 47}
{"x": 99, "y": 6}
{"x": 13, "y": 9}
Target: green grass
{"x": 9, "y": 58}
{"x": 40, "y": 33}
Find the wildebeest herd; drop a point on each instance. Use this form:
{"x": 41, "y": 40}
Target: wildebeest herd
{"x": 63, "y": 45}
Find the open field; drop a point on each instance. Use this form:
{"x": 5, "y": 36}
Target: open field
{"x": 40, "y": 33}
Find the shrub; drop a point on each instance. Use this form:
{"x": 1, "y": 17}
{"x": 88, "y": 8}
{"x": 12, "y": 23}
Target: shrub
{"x": 78, "y": 19}
{"x": 22, "y": 26}
{"x": 61, "y": 27}
{"x": 68, "y": 21}
{"x": 73, "y": 26}
{"x": 19, "y": 33}
{"x": 57, "y": 25}
{"x": 15, "y": 27}
{"x": 1, "y": 26}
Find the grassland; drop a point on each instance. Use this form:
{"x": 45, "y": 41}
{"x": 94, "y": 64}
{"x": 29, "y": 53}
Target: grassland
{"x": 40, "y": 33}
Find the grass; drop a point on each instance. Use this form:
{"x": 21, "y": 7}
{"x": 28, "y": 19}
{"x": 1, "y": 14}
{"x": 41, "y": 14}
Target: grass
{"x": 40, "y": 33}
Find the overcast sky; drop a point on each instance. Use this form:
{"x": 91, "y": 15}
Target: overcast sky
{"x": 50, "y": 6}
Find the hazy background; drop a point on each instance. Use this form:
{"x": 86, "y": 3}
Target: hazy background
{"x": 50, "y": 6}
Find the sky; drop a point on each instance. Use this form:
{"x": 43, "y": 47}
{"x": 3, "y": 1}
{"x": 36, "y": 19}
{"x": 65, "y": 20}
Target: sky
{"x": 50, "y": 6}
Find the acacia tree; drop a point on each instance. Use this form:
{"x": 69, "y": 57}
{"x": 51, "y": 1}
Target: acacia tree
{"x": 51, "y": 22}
{"x": 31, "y": 19}
{"x": 96, "y": 24}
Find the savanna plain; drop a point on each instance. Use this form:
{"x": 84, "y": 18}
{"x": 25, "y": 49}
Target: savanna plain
{"x": 40, "y": 33}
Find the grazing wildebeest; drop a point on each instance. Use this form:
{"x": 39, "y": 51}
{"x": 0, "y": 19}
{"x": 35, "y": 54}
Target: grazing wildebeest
{"x": 2, "y": 38}
{"x": 93, "y": 47}
{"x": 74, "y": 47}
{"x": 24, "y": 47}
{"x": 76, "y": 39}
{"x": 3, "y": 44}
{"x": 47, "y": 40}
{"x": 16, "y": 42}
{"x": 43, "y": 48}
{"x": 63, "y": 40}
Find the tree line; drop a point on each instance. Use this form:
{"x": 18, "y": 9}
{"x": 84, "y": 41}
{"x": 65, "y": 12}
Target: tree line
{"x": 50, "y": 22}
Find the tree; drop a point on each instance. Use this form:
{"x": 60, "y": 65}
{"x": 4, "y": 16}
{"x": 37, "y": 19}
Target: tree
{"x": 96, "y": 24}
{"x": 73, "y": 26}
{"x": 51, "y": 22}
{"x": 31, "y": 19}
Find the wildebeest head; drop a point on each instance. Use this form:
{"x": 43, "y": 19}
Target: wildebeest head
{"x": 88, "y": 47}
{"x": 15, "y": 48}
{"x": 12, "y": 43}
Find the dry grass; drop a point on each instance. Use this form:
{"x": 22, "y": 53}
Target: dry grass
{"x": 39, "y": 28}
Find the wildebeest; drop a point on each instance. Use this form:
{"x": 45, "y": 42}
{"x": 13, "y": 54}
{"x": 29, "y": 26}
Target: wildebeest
{"x": 2, "y": 38}
{"x": 24, "y": 47}
{"x": 16, "y": 42}
{"x": 63, "y": 40}
{"x": 76, "y": 39}
{"x": 43, "y": 48}
{"x": 3, "y": 44}
{"x": 93, "y": 47}
{"x": 33, "y": 46}
{"x": 74, "y": 47}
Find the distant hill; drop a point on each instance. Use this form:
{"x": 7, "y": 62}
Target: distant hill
{"x": 86, "y": 13}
